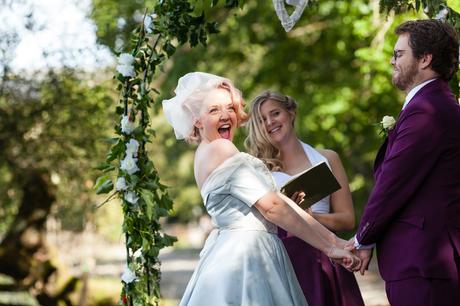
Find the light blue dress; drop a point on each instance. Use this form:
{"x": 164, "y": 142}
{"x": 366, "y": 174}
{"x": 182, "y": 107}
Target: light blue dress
{"x": 243, "y": 262}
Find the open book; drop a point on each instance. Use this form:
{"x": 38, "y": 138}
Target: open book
{"x": 316, "y": 182}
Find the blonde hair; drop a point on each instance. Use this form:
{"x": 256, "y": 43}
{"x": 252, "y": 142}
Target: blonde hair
{"x": 258, "y": 142}
{"x": 238, "y": 103}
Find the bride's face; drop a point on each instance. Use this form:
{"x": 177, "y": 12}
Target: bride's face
{"x": 278, "y": 122}
{"x": 217, "y": 116}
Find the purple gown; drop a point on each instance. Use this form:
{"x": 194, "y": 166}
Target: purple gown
{"x": 323, "y": 283}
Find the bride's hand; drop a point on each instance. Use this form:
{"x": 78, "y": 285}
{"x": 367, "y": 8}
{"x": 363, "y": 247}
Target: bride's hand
{"x": 348, "y": 260}
{"x": 341, "y": 243}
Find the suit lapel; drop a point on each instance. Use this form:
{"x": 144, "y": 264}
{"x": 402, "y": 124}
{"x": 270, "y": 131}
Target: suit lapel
{"x": 380, "y": 155}
{"x": 387, "y": 144}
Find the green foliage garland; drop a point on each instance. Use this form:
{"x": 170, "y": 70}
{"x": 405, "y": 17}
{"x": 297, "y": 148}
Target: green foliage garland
{"x": 144, "y": 199}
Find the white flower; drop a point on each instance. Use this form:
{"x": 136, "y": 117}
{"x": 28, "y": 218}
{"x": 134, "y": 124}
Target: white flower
{"x": 129, "y": 165}
{"x": 125, "y": 65}
{"x": 148, "y": 24}
{"x": 138, "y": 253}
{"x": 388, "y": 122}
{"x": 125, "y": 59}
{"x": 154, "y": 16}
{"x": 442, "y": 14}
{"x": 121, "y": 184}
{"x": 131, "y": 197}
{"x": 128, "y": 276}
{"x": 131, "y": 147}
{"x": 127, "y": 126}
{"x": 126, "y": 71}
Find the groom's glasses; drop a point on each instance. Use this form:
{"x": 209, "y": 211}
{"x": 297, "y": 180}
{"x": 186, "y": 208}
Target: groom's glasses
{"x": 397, "y": 54}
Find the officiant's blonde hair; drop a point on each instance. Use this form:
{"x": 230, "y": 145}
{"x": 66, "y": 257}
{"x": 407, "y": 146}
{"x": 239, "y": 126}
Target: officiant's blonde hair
{"x": 258, "y": 141}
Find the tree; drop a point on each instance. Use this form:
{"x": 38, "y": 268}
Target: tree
{"x": 50, "y": 127}
{"x": 335, "y": 63}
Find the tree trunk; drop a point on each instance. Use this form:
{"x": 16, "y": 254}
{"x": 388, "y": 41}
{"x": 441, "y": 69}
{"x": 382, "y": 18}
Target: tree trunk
{"x": 23, "y": 252}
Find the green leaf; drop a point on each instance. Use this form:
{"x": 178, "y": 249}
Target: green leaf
{"x": 454, "y": 5}
{"x": 161, "y": 212}
{"x": 149, "y": 202}
{"x": 168, "y": 240}
{"x": 212, "y": 27}
{"x": 231, "y": 3}
{"x": 102, "y": 166}
{"x": 152, "y": 132}
{"x": 169, "y": 48}
{"x": 103, "y": 184}
{"x": 154, "y": 251}
{"x": 116, "y": 151}
{"x": 111, "y": 140}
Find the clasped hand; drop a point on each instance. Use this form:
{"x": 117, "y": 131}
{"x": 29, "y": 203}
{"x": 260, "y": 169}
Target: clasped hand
{"x": 365, "y": 255}
{"x": 345, "y": 258}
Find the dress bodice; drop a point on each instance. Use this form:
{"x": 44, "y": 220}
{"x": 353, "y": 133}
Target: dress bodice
{"x": 243, "y": 262}
{"x": 323, "y": 205}
{"x": 231, "y": 190}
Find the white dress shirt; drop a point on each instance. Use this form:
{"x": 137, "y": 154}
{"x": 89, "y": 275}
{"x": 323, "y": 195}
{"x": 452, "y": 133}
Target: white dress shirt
{"x": 414, "y": 90}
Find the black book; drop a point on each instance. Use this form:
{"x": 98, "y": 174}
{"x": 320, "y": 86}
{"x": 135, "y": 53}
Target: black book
{"x": 316, "y": 182}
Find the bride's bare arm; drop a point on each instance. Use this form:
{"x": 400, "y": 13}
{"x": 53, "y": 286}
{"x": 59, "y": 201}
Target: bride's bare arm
{"x": 281, "y": 211}
{"x": 323, "y": 231}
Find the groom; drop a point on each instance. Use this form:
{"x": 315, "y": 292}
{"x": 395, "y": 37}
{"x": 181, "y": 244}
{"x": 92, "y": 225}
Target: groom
{"x": 413, "y": 212}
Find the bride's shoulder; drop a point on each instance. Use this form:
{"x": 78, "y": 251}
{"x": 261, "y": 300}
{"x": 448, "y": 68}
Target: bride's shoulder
{"x": 213, "y": 154}
{"x": 221, "y": 149}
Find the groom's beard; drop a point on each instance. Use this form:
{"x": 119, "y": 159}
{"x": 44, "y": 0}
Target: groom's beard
{"x": 404, "y": 79}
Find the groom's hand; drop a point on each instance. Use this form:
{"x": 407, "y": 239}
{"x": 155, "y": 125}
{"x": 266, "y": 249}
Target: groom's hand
{"x": 365, "y": 255}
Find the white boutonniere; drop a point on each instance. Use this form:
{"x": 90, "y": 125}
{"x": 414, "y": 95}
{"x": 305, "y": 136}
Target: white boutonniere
{"x": 387, "y": 124}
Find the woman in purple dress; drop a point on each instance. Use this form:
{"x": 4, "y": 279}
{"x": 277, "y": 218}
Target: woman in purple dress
{"x": 272, "y": 138}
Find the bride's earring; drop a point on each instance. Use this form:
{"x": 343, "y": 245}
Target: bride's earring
{"x": 287, "y": 21}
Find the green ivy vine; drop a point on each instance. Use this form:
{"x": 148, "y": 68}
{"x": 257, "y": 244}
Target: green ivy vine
{"x": 128, "y": 173}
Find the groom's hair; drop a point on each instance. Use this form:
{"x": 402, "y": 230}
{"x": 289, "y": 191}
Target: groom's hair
{"x": 434, "y": 37}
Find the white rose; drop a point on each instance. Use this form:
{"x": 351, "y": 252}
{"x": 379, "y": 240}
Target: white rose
{"x": 138, "y": 253}
{"x": 125, "y": 59}
{"x": 126, "y": 71}
{"x": 125, "y": 65}
{"x": 131, "y": 147}
{"x": 442, "y": 14}
{"x": 148, "y": 24}
{"x": 121, "y": 184}
{"x": 129, "y": 165}
{"x": 128, "y": 276}
{"x": 131, "y": 197}
{"x": 388, "y": 122}
{"x": 127, "y": 126}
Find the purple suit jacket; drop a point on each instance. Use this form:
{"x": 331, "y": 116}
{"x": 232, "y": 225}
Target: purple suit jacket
{"x": 413, "y": 212}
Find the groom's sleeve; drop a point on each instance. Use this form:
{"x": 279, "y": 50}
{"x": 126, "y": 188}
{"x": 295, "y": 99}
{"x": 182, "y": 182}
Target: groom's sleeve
{"x": 412, "y": 156}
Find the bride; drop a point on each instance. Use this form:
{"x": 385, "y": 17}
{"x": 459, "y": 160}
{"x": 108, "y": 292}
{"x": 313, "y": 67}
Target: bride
{"x": 243, "y": 261}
